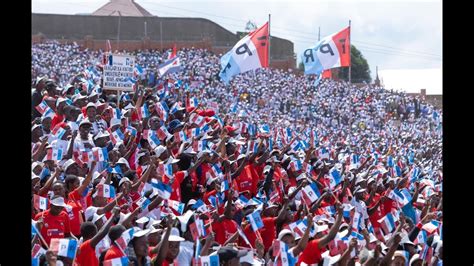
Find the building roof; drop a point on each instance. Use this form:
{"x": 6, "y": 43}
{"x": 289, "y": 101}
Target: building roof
{"x": 122, "y": 8}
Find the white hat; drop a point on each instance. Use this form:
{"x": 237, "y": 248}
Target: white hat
{"x": 90, "y": 105}
{"x": 59, "y": 201}
{"x": 249, "y": 258}
{"x": 302, "y": 176}
{"x": 359, "y": 190}
{"x": 60, "y": 100}
{"x": 174, "y": 236}
{"x": 142, "y": 221}
{"x": 95, "y": 175}
{"x": 285, "y": 232}
{"x": 34, "y": 176}
{"x": 84, "y": 122}
{"x": 414, "y": 259}
{"x": 129, "y": 106}
{"x": 102, "y": 134}
{"x": 123, "y": 161}
{"x": 124, "y": 216}
{"x": 321, "y": 228}
{"x": 159, "y": 150}
{"x": 123, "y": 180}
{"x": 328, "y": 259}
{"x": 68, "y": 163}
{"x": 399, "y": 253}
{"x": 140, "y": 233}
{"x": 172, "y": 160}
{"x": 115, "y": 121}
{"x": 90, "y": 211}
{"x": 96, "y": 217}
{"x": 241, "y": 156}
{"x": 267, "y": 168}
{"x": 35, "y": 164}
{"x": 184, "y": 219}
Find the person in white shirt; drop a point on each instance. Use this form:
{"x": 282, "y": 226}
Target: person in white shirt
{"x": 85, "y": 141}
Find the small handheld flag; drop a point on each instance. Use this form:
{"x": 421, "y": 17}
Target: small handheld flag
{"x": 255, "y": 220}
{"x": 64, "y": 247}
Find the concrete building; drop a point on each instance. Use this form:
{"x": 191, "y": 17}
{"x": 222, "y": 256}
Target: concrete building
{"x": 129, "y": 26}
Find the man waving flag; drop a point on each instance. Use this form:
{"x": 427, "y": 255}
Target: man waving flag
{"x": 332, "y": 51}
{"x": 250, "y": 53}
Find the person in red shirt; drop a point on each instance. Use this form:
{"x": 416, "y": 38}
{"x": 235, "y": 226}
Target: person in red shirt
{"x": 154, "y": 238}
{"x": 114, "y": 251}
{"x": 75, "y": 198}
{"x": 312, "y": 253}
{"x": 59, "y": 116}
{"x": 169, "y": 245}
{"x": 54, "y": 223}
{"x": 86, "y": 254}
{"x": 270, "y": 223}
{"x": 225, "y": 227}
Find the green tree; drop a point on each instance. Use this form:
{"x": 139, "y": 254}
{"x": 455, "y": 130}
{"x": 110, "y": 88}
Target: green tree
{"x": 360, "y": 70}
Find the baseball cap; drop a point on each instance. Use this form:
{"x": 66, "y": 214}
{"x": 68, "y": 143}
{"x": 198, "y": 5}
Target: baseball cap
{"x": 284, "y": 232}
{"x": 123, "y": 217}
{"x": 85, "y": 122}
{"x": 184, "y": 219}
{"x": 174, "y": 235}
{"x": 399, "y": 253}
{"x": 115, "y": 121}
{"x": 415, "y": 258}
{"x": 39, "y": 79}
{"x": 60, "y": 100}
{"x": 35, "y": 127}
{"x": 36, "y": 164}
{"x": 173, "y": 160}
{"x": 139, "y": 233}
{"x": 34, "y": 176}
{"x": 102, "y": 134}
{"x": 129, "y": 106}
{"x": 267, "y": 168}
{"x": 300, "y": 177}
{"x": 96, "y": 217}
{"x": 241, "y": 156}
{"x": 68, "y": 163}
{"x": 77, "y": 97}
{"x": 359, "y": 190}
{"x": 58, "y": 201}
{"x": 123, "y": 161}
{"x": 141, "y": 222}
{"x": 328, "y": 259}
{"x": 123, "y": 180}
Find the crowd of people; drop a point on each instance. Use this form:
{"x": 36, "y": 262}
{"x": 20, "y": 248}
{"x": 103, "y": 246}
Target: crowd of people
{"x": 275, "y": 168}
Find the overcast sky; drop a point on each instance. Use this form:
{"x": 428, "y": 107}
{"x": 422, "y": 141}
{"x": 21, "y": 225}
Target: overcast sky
{"x": 399, "y": 34}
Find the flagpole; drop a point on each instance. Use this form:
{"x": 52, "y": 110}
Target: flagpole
{"x": 350, "y": 62}
{"x": 269, "y": 38}
{"x": 319, "y": 34}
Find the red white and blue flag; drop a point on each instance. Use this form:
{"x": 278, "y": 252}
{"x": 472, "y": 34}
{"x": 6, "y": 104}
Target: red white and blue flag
{"x": 250, "y": 53}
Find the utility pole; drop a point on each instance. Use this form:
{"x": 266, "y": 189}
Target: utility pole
{"x": 118, "y": 30}
{"x": 161, "y": 35}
